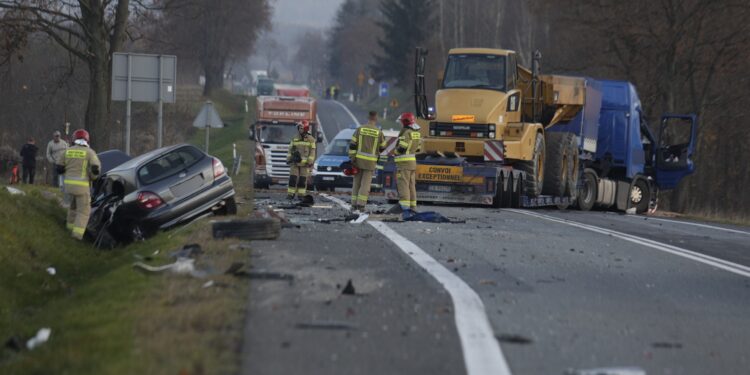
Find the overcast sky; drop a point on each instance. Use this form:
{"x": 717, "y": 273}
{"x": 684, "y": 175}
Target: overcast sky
{"x": 316, "y": 13}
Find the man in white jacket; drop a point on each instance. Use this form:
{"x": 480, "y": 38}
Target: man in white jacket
{"x": 55, "y": 152}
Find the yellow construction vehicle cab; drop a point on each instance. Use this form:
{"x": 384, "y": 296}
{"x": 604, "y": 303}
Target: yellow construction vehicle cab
{"x": 491, "y": 109}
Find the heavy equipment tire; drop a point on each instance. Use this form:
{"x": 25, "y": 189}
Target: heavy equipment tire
{"x": 556, "y": 163}
{"x": 571, "y": 189}
{"x": 516, "y": 193}
{"x": 508, "y": 192}
{"x": 249, "y": 229}
{"x": 534, "y": 169}
{"x": 497, "y": 200}
{"x": 640, "y": 196}
{"x": 586, "y": 196}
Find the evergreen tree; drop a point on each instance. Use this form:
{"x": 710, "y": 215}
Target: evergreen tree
{"x": 406, "y": 24}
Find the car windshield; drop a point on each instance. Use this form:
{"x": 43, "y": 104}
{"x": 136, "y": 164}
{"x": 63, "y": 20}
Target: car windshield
{"x": 471, "y": 71}
{"x": 277, "y": 133}
{"x": 339, "y": 147}
{"x": 169, "y": 164}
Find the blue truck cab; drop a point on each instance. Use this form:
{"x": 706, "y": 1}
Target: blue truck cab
{"x": 631, "y": 163}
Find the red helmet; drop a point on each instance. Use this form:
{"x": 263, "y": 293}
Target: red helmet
{"x": 351, "y": 171}
{"x": 304, "y": 125}
{"x": 407, "y": 118}
{"x": 81, "y": 134}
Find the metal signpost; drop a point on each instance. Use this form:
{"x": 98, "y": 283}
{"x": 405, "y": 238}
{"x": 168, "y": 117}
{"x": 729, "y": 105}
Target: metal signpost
{"x": 144, "y": 78}
{"x": 208, "y": 118}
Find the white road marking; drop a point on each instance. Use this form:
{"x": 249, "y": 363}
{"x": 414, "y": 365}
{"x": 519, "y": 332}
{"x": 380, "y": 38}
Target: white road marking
{"x": 481, "y": 351}
{"x": 356, "y": 122}
{"x": 699, "y": 225}
{"x": 325, "y": 139}
{"x": 692, "y": 255}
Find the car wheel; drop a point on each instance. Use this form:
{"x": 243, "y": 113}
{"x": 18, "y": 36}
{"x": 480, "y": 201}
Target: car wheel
{"x": 229, "y": 207}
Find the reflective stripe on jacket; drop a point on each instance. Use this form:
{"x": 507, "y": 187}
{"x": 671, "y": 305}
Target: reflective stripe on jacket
{"x": 368, "y": 142}
{"x": 306, "y": 146}
{"x": 78, "y": 162}
{"x": 409, "y": 142}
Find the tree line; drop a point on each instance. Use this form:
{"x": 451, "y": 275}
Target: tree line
{"x": 688, "y": 56}
{"x": 56, "y": 56}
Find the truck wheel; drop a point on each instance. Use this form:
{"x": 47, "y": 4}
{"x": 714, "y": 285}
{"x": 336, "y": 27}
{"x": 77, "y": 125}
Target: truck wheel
{"x": 515, "y": 194}
{"x": 557, "y": 159}
{"x": 534, "y": 169}
{"x": 497, "y": 200}
{"x": 508, "y": 192}
{"x": 640, "y": 196}
{"x": 571, "y": 189}
{"x": 587, "y": 192}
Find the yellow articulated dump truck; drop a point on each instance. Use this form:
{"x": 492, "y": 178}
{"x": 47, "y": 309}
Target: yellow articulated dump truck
{"x": 508, "y": 136}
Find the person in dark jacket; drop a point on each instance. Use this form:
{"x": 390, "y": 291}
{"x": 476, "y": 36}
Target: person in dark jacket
{"x": 28, "y": 154}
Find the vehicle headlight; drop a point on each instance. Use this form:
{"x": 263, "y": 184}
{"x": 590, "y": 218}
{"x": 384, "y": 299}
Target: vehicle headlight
{"x": 432, "y": 132}
{"x": 315, "y": 166}
{"x": 492, "y": 128}
{"x": 492, "y": 134}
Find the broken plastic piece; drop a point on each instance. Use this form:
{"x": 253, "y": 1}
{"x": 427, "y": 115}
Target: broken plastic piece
{"x": 361, "y": 219}
{"x": 51, "y": 270}
{"x": 41, "y": 337}
{"x": 333, "y": 325}
{"x": 14, "y": 191}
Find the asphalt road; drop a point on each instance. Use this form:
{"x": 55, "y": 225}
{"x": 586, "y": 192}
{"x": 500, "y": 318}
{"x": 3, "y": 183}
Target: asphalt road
{"x": 563, "y": 291}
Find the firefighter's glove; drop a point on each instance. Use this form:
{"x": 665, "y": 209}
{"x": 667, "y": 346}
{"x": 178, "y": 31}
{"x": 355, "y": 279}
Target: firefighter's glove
{"x": 296, "y": 157}
{"x": 352, "y": 146}
{"x": 401, "y": 150}
{"x": 95, "y": 170}
{"x": 60, "y": 169}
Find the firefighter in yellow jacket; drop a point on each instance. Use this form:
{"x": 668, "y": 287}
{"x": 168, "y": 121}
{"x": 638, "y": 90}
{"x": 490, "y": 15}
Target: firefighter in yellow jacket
{"x": 80, "y": 166}
{"x": 409, "y": 143}
{"x": 300, "y": 157}
{"x": 364, "y": 149}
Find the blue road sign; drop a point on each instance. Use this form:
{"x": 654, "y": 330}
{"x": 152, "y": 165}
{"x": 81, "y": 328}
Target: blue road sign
{"x": 383, "y": 89}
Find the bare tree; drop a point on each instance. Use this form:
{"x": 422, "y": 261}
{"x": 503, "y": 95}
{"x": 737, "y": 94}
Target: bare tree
{"x": 213, "y": 32}
{"x": 90, "y": 30}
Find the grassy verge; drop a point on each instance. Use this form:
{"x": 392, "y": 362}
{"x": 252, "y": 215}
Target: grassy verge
{"x": 106, "y": 317}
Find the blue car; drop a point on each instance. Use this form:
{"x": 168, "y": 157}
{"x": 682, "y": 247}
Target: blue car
{"x": 328, "y": 171}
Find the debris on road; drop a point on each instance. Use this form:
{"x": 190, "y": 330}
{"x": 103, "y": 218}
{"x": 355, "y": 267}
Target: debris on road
{"x": 349, "y": 289}
{"x": 361, "y": 219}
{"x": 513, "y": 339}
{"x": 208, "y": 284}
{"x": 52, "y": 271}
{"x": 608, "y": 371}
{"x": 332, "y": 325}
{"x": 432, "y": 217}
{"x": 249, "y": 229}
{"x": 188, "y": 251}
{"x": 240, "y": 246}
{"x": 180, "y": 266}
{"x": 667, "y": 345}
{"x": 236, "y": 270}
{"x": 14, "y": 191}
{"x": 41, "y": 337}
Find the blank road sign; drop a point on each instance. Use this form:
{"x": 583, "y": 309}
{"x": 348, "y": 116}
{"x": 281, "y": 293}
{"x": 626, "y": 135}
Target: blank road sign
{"x": 145, "y": 74}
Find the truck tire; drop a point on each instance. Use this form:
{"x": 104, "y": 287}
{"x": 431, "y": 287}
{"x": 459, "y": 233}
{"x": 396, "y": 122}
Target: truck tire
{"x": 586, "y": 197}
{"x": 509, "y": 191}
{"x": 516, "y": 193}
{"x": 640, "y": 196}
{"x": 497, "y": 200}
{"x": 534, "y": 169}
{"x": 556, "y": 173}
{"x": 571, "y": 189}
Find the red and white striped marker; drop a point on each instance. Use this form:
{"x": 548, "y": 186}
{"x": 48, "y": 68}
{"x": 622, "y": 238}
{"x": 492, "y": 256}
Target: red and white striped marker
{"x": 390, "y": 146}
{"x": 493, "y": 151}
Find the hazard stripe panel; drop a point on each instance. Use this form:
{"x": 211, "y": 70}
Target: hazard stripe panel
{"x": 493, "y": 151}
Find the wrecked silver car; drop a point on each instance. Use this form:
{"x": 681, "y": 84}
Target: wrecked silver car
{"x": 158, "y": 190}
